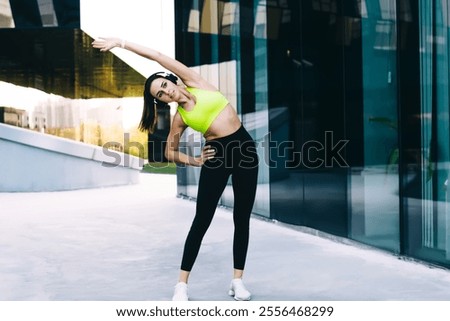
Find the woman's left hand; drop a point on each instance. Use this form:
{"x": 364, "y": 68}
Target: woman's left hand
{"x": 207, "y": 154}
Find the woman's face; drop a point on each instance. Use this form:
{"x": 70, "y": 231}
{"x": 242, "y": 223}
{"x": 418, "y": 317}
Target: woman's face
{"x": 164, "y": 90}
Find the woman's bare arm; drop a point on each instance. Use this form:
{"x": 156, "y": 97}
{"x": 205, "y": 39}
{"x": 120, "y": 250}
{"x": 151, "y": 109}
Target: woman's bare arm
{"x": 188, "y": 76}
{"x": 172, "y": 152}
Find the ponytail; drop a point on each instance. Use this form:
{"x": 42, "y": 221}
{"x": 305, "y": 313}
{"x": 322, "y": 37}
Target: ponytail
{"x": 148, "y": 119}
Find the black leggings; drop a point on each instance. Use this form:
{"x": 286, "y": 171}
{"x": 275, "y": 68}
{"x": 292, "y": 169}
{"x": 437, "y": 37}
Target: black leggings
{"x": 236, "y": 156}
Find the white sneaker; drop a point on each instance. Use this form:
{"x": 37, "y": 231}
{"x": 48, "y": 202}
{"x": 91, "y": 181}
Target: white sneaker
{"x": 238, "y": 290}
{"x": 180, "y": 293}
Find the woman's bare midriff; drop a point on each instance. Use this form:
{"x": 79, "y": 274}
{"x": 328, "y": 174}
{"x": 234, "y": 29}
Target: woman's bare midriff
{"x": 226, "y": 123}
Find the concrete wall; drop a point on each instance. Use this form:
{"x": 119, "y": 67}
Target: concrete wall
{"x": 35, "y": 162}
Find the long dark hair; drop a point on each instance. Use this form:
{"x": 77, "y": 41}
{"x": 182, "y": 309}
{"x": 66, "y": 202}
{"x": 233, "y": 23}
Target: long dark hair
{"x": 148, "y": 119}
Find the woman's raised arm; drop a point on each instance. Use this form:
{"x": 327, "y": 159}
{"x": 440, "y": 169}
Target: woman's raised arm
{"x": 188, "y": 76}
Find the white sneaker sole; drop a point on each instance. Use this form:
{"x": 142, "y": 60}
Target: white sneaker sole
{"x": 231, "y": 293}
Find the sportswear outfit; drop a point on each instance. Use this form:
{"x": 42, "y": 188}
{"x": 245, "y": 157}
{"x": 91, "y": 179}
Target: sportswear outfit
{"x": 235, "y": 157}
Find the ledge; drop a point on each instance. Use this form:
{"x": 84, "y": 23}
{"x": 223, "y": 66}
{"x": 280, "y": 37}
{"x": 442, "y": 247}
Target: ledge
{"x": 33, "y": 161}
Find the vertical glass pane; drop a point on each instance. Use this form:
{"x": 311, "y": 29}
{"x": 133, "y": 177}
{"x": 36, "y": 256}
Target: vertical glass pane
{"x": 230, "y": 84}
{"x": 216, "y": 31}
{"x": 426, "y": 70}
{"x": 443, "y": 134}
{"x": 375, "y": 189}
{"x": 441, "y": 154}
{"x": 433, "y": 241}
{"x": 308, "y": 41}
{"x": 254, "y": 117}
{"x": 257, "y": 121}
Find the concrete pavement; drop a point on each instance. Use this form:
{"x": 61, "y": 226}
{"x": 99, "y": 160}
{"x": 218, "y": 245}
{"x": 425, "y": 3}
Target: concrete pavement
{"x": 125, "y": 243}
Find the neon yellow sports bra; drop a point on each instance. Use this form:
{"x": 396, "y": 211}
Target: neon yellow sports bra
{"x": 208, "y": 106}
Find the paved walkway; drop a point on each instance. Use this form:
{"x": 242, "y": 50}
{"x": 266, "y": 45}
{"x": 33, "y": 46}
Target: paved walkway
{"x": 125, "y": 243}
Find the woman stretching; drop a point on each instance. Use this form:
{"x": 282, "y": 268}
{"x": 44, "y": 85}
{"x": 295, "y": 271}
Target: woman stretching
{"x": 229, "y": 151}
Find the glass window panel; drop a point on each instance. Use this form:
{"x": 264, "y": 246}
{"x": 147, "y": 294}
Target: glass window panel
{"x": 432, "y": 242}
{"x": 73, "y": 76}
{"x": 258, "y": 120}
{"x": 375, "y": 189}
{"x": 219, "y": 20}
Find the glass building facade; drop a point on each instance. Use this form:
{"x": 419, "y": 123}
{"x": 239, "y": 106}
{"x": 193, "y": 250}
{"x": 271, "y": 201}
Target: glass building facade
{"x": 56, "y": 83}
{"x": 348, "y": 101}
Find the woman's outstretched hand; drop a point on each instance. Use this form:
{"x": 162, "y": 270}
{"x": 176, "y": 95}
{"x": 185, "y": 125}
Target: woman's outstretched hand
{"x": 106, "y": 44}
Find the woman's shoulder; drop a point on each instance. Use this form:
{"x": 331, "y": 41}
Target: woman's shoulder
{"x": 201, "y": 84}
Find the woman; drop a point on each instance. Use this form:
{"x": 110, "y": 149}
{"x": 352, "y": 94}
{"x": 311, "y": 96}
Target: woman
{"x": 229, "y": 151}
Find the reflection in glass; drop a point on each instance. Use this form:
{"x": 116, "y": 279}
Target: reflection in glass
{"x": 194, "y": 20}
{"x": 54, "y": 81}
{"x": 210, "y": 17}
{"x": 48, "y": 14}
{"x": 429, "y": 228}
{"x": 325, "y": 5}
{"x": 213, "y": 17}
{"x": 230, "y": 18}
{"x": 375, "y": 188}
{"x": 6, "y": 18}
{"x": 350, "y": 68}
{"x": 39, "y": 13}
{"x": 260, "y": 30}
{"x": 257, "y": 122}
{"x": 108, "y": 122}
